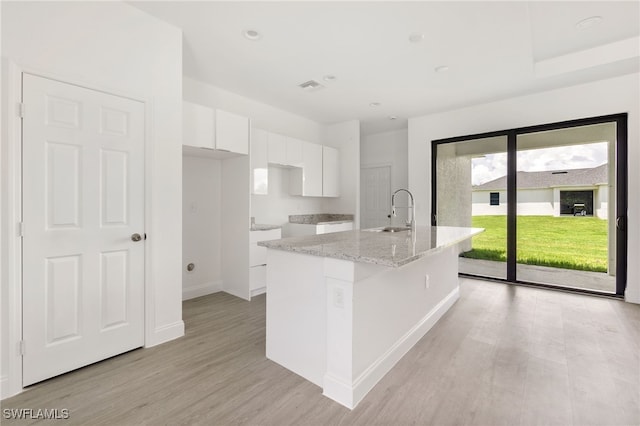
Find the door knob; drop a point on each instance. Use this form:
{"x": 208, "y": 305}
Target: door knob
{"x": 135, "y": 237}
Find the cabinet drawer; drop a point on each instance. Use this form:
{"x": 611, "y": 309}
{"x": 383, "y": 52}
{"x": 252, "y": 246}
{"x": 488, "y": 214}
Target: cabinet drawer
{"x": 257, "y": 255}
{"x": 272, "y": 234}
{"x": 338, "y": 227}
{"x": 257, "y": 277}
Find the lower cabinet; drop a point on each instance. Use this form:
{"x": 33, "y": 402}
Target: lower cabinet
{"x": 300, "y": 229}
{"x": 258, "y": 259}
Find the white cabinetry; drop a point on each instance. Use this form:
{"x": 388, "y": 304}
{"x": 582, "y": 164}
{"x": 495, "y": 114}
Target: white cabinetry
{"x": 302, "y": 229}
{"x": 294, "y": 152}
{"x": 204, "y": 127}
{"x": 284, "y": 150}
{"x": 232, "y": 132}
{"x": 258, "y": 259}
{"x": 327, "y": 228}
{"x": 319, "y": 174}
{"x": 330, "y": 172}
{"x": 307, "y": 180}
{"x": 259, "y": 162}
{"x": 277, "y": 152}
{"x": 314, "y": 168}
{"x": 197, "y": 126}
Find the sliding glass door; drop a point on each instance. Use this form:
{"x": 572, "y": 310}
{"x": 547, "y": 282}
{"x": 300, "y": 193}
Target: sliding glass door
{"x": 564, "y": 183}
{"x": 552, "y": 200}
{"x": 471, "y": 191}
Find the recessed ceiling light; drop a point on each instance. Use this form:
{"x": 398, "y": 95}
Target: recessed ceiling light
{"x": 441, "y": 68}
{"x": 252, "y": 35}
{"x": 589, "y": 22}
{"x": 374, "y": 104}
{"x": 416, "y": 37}
{"x": 329, "y": 77}
{"x": 393, "y": 117}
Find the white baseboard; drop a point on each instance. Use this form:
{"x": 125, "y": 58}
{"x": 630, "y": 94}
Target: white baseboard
{"x": 166, "y": 333}
{"x": 258, "y": 291}
{"x": 201, "y": 290}
{"x": 350, "y": 394}
{"x": 234, "y": 292}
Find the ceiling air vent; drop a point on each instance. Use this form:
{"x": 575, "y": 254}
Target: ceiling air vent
{"x": 311, "y": 86}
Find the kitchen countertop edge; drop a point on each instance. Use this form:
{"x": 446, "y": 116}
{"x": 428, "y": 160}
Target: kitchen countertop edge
{"x": 313, "y": 245}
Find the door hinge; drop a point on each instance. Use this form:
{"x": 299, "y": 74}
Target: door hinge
{"x": 20, "y": 229}
{"x": 23, "y": 348}
{"x": 20, "y": 109}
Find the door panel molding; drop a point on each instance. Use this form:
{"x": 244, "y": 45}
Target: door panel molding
{"x": 68, "y": 188}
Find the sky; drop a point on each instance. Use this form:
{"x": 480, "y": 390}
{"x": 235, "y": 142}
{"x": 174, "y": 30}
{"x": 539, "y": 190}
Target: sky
{"x": 493, "y": 166}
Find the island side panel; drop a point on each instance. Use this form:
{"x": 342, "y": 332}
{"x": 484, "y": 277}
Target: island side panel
{"x": 296, "y": 313}
{"x": 391, "y": 309}
{"x": 338, "y": 379}
{"x": 391, "y": 304}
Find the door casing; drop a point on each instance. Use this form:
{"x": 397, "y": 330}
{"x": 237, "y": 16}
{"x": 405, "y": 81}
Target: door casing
{"x": 12, "y": 384}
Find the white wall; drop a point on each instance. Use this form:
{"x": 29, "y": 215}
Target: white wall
{"x": 114, "y": 47}
{"x": 534, "y": 202}
{"x": 346, "y": 137}
{"x": 611, "y": 96}
{"x": 531, "y": 202}
{"x": 201, "y": 199}
{"x": 480, "y": 204}
{"x": 388, "y": 148}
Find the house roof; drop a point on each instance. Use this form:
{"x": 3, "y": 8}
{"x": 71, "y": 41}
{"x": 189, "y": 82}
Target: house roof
{"x": 551, "y": 178}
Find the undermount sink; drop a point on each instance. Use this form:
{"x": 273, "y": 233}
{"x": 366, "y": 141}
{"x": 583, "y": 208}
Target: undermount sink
{"x": 395, "y": 229}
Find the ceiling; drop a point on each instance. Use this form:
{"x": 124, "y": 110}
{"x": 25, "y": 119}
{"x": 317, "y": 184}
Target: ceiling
{"x": 492, "y": 51}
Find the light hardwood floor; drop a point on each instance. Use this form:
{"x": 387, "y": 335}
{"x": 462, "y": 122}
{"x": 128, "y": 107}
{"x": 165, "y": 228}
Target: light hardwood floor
{"x": 503, "y": 355}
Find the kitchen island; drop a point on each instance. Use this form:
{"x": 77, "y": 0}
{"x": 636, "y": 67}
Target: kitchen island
{"x": 343, "y": 308}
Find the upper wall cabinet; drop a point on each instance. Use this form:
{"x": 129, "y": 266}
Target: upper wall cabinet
{"x": 259, "y": 162}
{"x": 294, "y": 152}
{"x": 232, "y": 132}
{"x": 284, "y": 150}
{"x": 204, "y": 127}
{"x": 330, "y": 172}
{"x": 277, "y": 148}
{"x": 197, "y": 125}
{"x": 307, "y": 179}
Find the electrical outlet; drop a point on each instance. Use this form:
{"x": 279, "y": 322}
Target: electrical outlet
{"x": 426, "y": 281}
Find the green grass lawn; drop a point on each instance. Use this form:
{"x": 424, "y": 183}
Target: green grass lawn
{"x": 562, "y": 242}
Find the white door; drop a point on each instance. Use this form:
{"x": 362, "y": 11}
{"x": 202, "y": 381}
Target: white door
{"x": 376, "y": 196}
{"x": 83, "y": 201}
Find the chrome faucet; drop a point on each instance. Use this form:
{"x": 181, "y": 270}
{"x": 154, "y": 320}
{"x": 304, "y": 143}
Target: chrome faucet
{"x": 412, "y": 222}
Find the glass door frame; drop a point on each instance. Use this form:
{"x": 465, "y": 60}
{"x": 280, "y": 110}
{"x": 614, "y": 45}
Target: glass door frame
{"x": 621, "y": 172}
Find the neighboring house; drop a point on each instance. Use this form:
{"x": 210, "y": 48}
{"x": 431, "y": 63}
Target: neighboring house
{"x": 550, "y": 193}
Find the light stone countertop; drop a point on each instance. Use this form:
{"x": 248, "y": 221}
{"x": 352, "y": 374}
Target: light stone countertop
{"x": 262, "y": 227}
{"x": 320, "y": 218}
{"x": 391, "y": 249}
